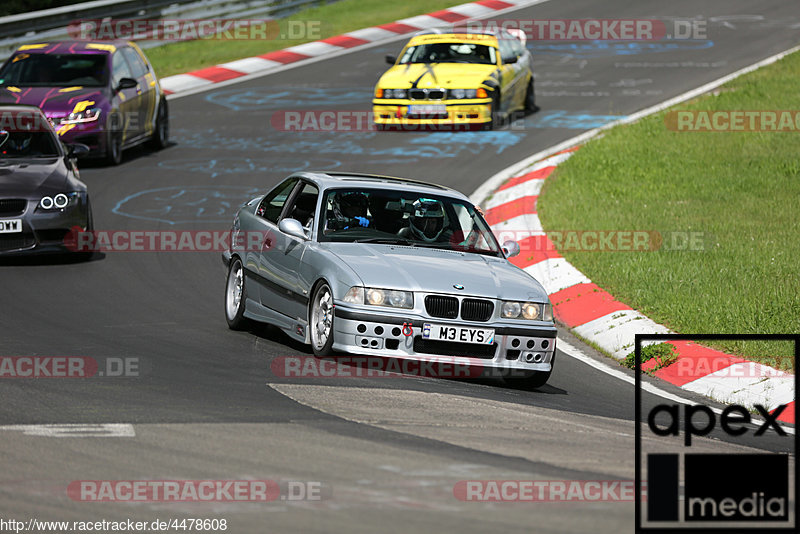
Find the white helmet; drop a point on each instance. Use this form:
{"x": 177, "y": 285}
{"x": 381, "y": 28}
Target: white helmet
{"x": 428, "y": 220}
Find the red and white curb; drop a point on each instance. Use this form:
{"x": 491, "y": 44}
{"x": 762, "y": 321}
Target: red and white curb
{"x": 274, "y": 60}
{"x": 595, "y": 315}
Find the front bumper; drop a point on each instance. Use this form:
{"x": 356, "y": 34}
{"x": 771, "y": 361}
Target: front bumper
{"x": 43, "y": 232}
{"x": 515, "y": 347}
{"x": 396, "y": 112}
{"x": 91, "y": 134}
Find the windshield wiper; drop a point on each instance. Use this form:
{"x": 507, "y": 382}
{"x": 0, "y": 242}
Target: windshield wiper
{"x": 387, "y": 241}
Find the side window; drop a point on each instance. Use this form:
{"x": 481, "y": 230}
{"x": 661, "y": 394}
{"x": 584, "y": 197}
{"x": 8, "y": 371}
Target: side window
{"x": 408, "y": 54}
{"x": 138, "y": 68}
{"x": 505, "y": 47}
{"x": 119, "y": 69}
{"x": 304, "y": 205}
{"x": 272, "y": 205}
{"x": 517, "y": 46}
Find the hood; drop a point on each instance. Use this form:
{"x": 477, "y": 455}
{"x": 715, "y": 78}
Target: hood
{"x": 445, "y": 75}
{"x": 436, "y": 271}
{"x": 31, "y": 178}
{"x": 55, "y": 101}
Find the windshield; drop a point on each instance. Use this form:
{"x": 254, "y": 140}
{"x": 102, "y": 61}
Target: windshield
{"x": 404, "y": 218}
{"x": 55, "y": 70}
{"x": 450, "y": 53}
{"x": 27, "y": 144}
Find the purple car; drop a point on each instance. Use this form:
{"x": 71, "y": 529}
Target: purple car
{"x": 103, "y": 94}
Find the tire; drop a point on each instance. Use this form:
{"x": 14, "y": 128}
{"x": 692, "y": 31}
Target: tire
{"x": 530, "y": 98}
{"x": 320, "y": 320}
{"x": 160, "y": 138}
{"x": 235, "y": 296}
{"x": 89, "y": 217}
{"x": 87, "y": 255}
{"x": 114, "y": 148}
{"x": 494, "y": 121}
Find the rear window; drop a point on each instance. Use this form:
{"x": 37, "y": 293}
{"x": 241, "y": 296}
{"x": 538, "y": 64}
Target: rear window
{"x": 55, "y": 70}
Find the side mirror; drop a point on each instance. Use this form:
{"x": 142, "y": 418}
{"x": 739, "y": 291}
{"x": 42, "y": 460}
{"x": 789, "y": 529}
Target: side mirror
{"x": 126, "y": 83}
{"x": 511, "y": 59}
{"x": 511, "y": 249}
{"x": 77, "y": 149}
{"x": 391, "y": 60}
{"x": 292, "y": 227}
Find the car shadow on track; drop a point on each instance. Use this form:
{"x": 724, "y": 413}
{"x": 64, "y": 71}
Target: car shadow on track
{"x": 51, "y": 259}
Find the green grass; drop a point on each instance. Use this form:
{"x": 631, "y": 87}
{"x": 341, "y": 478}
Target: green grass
{"x": 740, "y": 190}
{"x": 334, "y": 19}
{"x": 664, "y": 353}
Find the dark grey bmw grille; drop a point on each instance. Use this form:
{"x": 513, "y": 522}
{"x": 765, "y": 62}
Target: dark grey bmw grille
{"x": 441, "y": 306}
{"x": 476, "y": 309}
{"x": 426, "y": 94}
{"x": 12, "y": 206}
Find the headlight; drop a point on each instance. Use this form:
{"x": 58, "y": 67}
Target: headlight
{"x": 380, "y": 297}
{"x": 89, "y": 115}
{"x": 511, "y": 310}
{"x": 390, "y": 93}
{"x": 532, "y": 311}
{"x": 58, "y": 202}
{"x": 463, "y": 93}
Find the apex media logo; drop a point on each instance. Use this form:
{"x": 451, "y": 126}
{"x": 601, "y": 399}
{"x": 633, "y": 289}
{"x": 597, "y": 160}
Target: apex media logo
{"x": 697, "y": 485}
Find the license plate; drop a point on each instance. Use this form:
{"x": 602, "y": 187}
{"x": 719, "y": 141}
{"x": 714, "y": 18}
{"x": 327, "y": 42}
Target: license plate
{"x": 10, "y": 226}
{"x": 458, "y": 334}
{"x": 427, "y": 109}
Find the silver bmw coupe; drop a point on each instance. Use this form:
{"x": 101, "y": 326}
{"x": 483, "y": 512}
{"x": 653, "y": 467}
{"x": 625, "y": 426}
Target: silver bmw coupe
{"x": 390, "y": 267}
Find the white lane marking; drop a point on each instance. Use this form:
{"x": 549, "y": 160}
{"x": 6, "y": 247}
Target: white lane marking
{"x": 530, "y": 188}
{"x": 372, "y": 34}
{"x": 422, "y": 21}
{"x": 472, "y": 11}
{"x": 250, "y": 64}
{"x": 179, "y": 93}
{"x": 574, "y": 352}
{"x": 495, "y": 181}
{"x": 103, "y": 430}
{"x": 614, "y": 332}
{"x": 183, "y": 82}
{"x": 746, "y": 383}
{"x": 522, "y": 226}
{"x": 314, "y": 48}
{"x": 556, "y": 274}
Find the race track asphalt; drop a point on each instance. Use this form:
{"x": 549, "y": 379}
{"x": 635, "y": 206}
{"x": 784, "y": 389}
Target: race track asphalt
{"x": 387, "y": 451}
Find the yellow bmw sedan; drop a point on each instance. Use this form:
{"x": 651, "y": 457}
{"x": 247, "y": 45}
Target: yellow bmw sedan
{"x": 457, "y": 78}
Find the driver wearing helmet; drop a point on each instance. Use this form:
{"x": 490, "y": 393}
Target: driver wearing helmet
{"x": 427, "y": 222}
{"x": 350, "y": 210}
{"x": 15, "y": 143}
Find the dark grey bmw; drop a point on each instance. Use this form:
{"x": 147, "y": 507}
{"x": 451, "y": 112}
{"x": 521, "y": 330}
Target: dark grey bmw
{"x": 42, "y": 200}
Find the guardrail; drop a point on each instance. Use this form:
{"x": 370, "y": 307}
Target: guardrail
{"x": 51, "y": 24}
